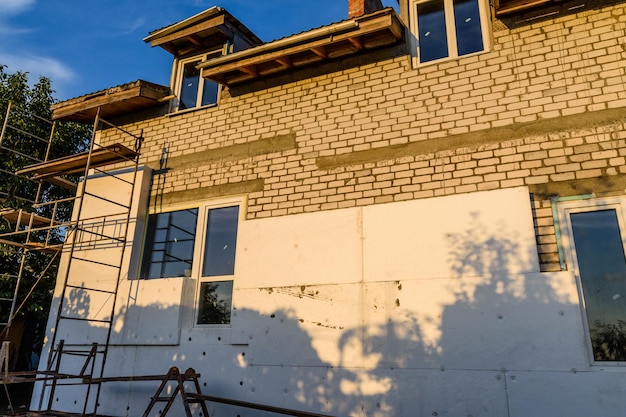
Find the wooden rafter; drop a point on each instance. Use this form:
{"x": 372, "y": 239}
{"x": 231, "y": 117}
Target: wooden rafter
{"x": 285, "y": 61}
{"x": 320, "y": 51}
{"x": 195, "y": 39}
{"x": 356, "y": 41}
{"x": 250, "y": 70}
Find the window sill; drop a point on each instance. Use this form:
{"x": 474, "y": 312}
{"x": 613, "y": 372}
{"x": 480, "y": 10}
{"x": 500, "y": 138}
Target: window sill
{"x": 417, "y": 65}
{"x": 193, "y": 109}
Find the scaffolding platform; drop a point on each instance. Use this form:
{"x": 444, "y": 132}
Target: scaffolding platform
{"x": 75, "y": 164}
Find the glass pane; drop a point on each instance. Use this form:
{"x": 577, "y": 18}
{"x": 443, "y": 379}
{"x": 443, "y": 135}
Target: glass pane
{"x": 189, "y": 86}
{"x": 432, "y": 36}
{"x": 220, "y": 243}
{"x": 602, "y": 268}
{"x": 209, "y": 92}
{"x": 469, "y": 36}
{"x": 216, "y": 299}
{"x": 170, "y": 239}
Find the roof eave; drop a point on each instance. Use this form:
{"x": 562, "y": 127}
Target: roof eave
{"x": 112, "y": 102}
{"x": 205, "y": 30}
{"x": 374, "y": 30}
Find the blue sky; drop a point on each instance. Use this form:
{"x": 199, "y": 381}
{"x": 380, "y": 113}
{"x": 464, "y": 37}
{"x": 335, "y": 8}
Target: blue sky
{"x": 85, "y": 46}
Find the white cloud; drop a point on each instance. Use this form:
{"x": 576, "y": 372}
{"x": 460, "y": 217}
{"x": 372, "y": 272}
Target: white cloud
{"x": 62, "y": 76}
{"x": 12, "y": 7}
{"x": 37, "y": 66}
{"x": 131, "y": 27}
{"x": 13, "y": 31}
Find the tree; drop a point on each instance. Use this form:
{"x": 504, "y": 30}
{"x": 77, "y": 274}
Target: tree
{"x": 20, "y": 144}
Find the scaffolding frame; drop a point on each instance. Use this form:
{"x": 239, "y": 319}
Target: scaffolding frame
{"x": 61, "y": 237}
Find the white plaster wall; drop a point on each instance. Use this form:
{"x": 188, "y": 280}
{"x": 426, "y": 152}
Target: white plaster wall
{"x": 379, "y": 311}
{"x": 83, "y": 300}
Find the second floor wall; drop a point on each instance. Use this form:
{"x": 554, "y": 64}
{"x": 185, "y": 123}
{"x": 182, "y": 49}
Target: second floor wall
{"x": 543, "y": 107}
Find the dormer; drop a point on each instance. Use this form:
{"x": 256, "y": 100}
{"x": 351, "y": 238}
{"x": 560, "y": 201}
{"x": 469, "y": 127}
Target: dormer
{"x": 207, "y": 35}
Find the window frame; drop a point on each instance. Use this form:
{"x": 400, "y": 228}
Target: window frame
{"x": 177, "y": 81}
{"x": 195, "y": 274}
{"x": 199, "y": 260}
{"x": 146, "y": 241}
{"x": 485, "y": 26}
{"x": 564, "y": 228}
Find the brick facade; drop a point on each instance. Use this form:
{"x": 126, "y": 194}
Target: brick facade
{"x": 543, "y": 109}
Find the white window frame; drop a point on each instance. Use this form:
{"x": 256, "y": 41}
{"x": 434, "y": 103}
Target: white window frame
{"x": 485, "y": 24}
{"x": 177, "y": 81}
{"x": 564, "y": 209}
{"x": 199, "y": 245}
{"x": 201, "y": 242}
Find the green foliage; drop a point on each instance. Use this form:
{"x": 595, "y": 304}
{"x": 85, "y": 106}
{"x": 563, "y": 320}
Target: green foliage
{"x": 609, "y": 341}
{"x": 25, "y": 140}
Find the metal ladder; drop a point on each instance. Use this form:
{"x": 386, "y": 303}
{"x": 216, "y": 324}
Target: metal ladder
{"x": 90, "y": 233}
{"x": 197, "y": 397}
{"x": 37, "y": 223}
{"x": 178, "y": 379}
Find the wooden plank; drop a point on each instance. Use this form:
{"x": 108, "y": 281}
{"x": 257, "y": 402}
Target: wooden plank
{"x": 24, "y": 218}
{"x": 94, "y": 102}
{"x": 36, "y": 246}
{"x": 62, "y": 182}
{"x": 75, "y": 164}
{"x": 131, "y": 378}
{"x": 397, "y": 29}
{"x": 191, "y": 30}
{"x": 12, "y": 243}
{"x": 262, "y": 407}
{"x": 516, "y": 6}
{"x": 116, "y": 100}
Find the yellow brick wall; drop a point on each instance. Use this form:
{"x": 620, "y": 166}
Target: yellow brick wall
{"x": 547, "y": 105}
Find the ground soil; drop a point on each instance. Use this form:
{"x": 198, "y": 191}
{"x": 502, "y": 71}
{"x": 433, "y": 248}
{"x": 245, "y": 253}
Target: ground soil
{"x": 19, "y": 395}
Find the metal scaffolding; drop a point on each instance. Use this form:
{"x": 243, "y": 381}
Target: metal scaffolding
{"x": 37, "y": 223}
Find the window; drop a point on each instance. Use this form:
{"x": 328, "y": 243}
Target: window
{"x": 170, "y": 241}
{"x": 193, "y": 91}
{"x": 448, "y": 28}
{"x": 174, "y": 249}
{"x": 218, "y": 260}
{"x": 593, "y": 236}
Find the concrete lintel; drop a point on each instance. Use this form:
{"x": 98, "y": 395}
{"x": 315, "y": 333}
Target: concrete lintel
{"x": 203, "y": 193}
{"x": 277, "y": 143}
{"x": 601, "y": 186}
{"x": 482, "y": 137}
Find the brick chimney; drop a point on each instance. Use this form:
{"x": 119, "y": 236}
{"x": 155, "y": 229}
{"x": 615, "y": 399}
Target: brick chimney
{"x": 358, "y": 8}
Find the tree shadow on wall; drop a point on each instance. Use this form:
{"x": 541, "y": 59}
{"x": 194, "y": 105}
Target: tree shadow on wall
{"x": 425, "y": 346}
{"x": 421, "y": 346}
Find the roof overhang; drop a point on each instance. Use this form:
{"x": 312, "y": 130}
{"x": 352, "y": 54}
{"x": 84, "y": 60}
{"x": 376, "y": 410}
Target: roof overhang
{"x": 208, "y": 29}
{"x": 374, "y": 30}
{"x": 116, "y": 101}
{"x": 508, "y": 7}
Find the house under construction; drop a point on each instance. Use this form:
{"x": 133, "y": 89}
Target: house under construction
{"x": 397, "y": 214}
